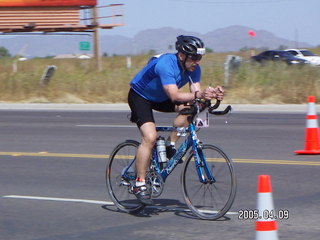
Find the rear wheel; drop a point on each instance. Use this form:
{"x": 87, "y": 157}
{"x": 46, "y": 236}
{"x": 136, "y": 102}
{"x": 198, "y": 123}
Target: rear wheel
{"x": 120, "y": 177}
{"x": 212, "y": 199}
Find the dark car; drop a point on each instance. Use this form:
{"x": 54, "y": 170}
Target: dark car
{"x": 277, "y": 55}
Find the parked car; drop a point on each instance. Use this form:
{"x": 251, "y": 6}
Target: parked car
{"x": 277, "y": 55}
{"x": 305, "y": 54}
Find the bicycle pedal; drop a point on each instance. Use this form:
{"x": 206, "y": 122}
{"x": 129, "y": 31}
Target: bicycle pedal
{"x": 124, "y": 183}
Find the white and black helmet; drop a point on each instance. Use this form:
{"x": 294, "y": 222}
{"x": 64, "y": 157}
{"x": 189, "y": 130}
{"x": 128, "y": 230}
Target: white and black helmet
{"x": 190, "y": 45}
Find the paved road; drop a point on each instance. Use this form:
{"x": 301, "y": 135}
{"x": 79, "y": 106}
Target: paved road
{"x": 52, "y": 177}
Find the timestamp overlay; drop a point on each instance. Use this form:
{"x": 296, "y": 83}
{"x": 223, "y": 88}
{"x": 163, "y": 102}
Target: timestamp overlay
{"x": 255, "y": 214}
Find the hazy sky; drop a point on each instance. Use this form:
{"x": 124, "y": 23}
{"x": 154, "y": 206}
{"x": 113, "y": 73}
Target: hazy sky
{"x": 290, "y": 19}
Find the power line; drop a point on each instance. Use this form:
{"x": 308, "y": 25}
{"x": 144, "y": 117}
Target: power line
{"x": 235, "y": 2}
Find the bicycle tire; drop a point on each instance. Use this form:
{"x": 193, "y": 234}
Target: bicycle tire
{"x": 209, "y": 201}
{"x": 120, "y": 189}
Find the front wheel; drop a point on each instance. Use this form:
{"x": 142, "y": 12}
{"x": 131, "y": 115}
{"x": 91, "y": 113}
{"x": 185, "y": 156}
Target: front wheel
{"x": 209, "y": 199}
{"x": 120, "y": 176}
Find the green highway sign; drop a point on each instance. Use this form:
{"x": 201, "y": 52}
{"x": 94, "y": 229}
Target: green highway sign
{"x": 84, "y": 46}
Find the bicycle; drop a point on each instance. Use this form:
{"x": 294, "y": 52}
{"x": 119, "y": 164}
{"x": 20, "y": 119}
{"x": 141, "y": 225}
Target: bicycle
{"x": 208, "y": 178}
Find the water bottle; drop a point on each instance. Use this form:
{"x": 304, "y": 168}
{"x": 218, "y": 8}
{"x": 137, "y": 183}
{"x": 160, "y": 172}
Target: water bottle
{"x": 161, "y": 149}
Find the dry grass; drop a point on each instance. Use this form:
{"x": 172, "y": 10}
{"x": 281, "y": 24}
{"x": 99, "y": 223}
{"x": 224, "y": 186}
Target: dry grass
{"x": 77, "y": 81}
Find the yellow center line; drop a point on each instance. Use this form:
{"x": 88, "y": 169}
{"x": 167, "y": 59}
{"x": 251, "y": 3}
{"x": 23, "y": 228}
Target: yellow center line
{"x": 97, "y": 156}
{"x": 280, "y": 162}
{"x": 47, "y": 154}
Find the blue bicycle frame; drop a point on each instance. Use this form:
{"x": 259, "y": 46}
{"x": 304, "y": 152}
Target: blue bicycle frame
{"x": 191, "y": 141}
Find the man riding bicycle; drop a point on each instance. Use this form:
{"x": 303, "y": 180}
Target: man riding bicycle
{"x": 156, "y": 87}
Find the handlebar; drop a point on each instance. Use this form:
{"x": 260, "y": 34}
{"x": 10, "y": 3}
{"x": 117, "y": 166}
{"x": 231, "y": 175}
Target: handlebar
{"x": 199, "y": 105}
{"x": 225, "y": 111}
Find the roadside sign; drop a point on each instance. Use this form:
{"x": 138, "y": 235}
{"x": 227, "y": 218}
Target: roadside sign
{"x": 84, "y": 46}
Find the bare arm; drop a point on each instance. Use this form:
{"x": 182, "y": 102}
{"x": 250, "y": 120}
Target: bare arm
{"x": 177, "y": 96}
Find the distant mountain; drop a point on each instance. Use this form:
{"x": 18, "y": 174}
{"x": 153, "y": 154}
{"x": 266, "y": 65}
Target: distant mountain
{"x": 154, "y": 39}
{"x": 41, "y": 45}
{"x": 234, "y": 38}
{"x": 231, "y": 38}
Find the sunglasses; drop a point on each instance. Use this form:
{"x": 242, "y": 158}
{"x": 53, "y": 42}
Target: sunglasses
{"x": 197, "y": 57}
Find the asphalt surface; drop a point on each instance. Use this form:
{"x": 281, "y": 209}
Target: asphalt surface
{"x": 287, "y": 108}
{"x": 52, "y": 170}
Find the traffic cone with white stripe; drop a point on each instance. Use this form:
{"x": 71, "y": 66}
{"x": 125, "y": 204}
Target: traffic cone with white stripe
{"x": 312, "y": 138}
{"x": 266, "y": 225}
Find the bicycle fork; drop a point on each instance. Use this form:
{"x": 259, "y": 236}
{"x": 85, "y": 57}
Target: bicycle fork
{"x": 205, "y": 174}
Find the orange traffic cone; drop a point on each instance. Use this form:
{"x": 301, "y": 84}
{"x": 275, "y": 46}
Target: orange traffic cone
{"x": 266, "y": 225}
{"x": 312, "y": 138}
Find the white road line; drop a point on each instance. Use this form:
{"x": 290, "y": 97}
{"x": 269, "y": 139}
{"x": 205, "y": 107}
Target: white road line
{"x": 59, "y": 199}
{"x": 96, "y": 202}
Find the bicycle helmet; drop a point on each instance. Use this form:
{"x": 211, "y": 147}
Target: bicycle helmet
{"x": 190, "y": 45}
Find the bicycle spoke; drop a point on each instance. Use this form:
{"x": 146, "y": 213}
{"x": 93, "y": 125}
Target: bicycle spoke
{"x": 210, "y": 200}
{"x": 119, "y": 177}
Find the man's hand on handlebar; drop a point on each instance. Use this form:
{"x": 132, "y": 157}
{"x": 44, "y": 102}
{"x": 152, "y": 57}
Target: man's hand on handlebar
{"x": 216, "y": 93}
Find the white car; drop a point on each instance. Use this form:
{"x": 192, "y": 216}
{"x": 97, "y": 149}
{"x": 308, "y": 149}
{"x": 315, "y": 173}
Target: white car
{"x": 312, "y": 59}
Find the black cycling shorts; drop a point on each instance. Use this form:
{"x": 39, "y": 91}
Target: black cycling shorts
{"x": 141, "y": 109}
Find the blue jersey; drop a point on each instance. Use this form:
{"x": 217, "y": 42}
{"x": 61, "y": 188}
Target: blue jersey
{"x": 160, "y": 71}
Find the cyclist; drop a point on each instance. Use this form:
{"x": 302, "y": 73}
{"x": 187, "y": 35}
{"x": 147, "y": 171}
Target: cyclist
{"x": 156, "y": 87}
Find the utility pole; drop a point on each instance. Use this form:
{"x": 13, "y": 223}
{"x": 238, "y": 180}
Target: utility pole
{"x": 96, "y": 41}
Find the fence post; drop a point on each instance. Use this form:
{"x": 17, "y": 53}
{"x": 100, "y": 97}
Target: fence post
{"x": 231, "y": 64}
{"x": 47, "y": 74}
